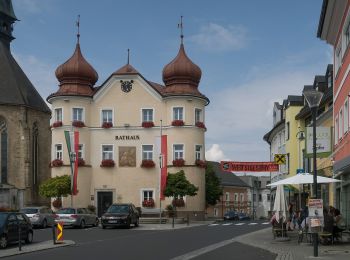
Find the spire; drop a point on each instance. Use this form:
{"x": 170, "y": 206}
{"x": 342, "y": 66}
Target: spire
{"x": 7, "y": 18}
{"x": 78, "y": 27}
{"x": 180, "y": 25}
{"x": 128, "y": 56}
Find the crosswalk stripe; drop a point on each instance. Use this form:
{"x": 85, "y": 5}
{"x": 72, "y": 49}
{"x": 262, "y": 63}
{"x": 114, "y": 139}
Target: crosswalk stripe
{"x": 265, "y": 223}
{"x": 214, "y": 224}
{"x": 252, "y": 224}
{"x": 239, "y": 224}
{"x": 227, "y": 224}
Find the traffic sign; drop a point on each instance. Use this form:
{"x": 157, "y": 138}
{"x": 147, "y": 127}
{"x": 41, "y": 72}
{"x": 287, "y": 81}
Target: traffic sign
{"x": 280, "y": 158}
{"x": 59, "y": 232}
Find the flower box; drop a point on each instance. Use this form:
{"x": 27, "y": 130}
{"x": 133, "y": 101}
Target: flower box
{"x": 57, "y": 124}
{"x": 148, "y": 164}
{"x": 57, "y": 203}
{"x": 179, "y": 162}
{"x": 78, "y": 124}
{"x": 178, "y": 123}
{"x": 201, "y": 125}
{"x": 107, "y": 125}
{"x": 148, "y": 203}
{"x": 201, "y": 163}
{"x": 107, "y": 163}
{"x": 81, "y": 162}
{"x": 57, "y": 163}
{"x": 178, "y": 202}
{"x": 147, "y": 124}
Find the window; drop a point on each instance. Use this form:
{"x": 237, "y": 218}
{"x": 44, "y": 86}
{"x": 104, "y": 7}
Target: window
{"x": 178, "y": 151}
{"x": 216, "y": 212}
{"x": 287, "y": 130}
{"x": 107, "y": 116}
{"x": 337, "y": 58}
{"x": 178, "y": 113}
{"x": 227, "y": 198}
{"x": 147, "y": 152}
{"x": 107, "y": 152}
{"x": 80, "y": 151}
{"x": 259, "y": 184}
{"x": 198, "y": 152}
{"x": 241, "y": 197}
{"x": 254, "y": 197}
{"x": 58, "y": 151}
{"x": 336, "y": 133}
{"x": 260, "y": 197}
{"x": 346, "y": 117}
{"x": 236, "y": 196}
{"x": 147, "y": 115}
{"x": 341, "y": 123}
{"x": 147, "y": 194}
{"x": 330, "y": 80}
{"x": 198, "y": 115}
{"x": 78, "y": 114}
{"x": 268, "y": 197}
{"x": 58, "y": 115}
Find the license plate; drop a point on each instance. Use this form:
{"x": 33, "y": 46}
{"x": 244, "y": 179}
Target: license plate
{"x": 113, "y": 221}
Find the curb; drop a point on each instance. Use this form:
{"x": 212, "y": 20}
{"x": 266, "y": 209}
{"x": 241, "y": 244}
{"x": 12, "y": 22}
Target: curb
{"x": 34, "y": 247}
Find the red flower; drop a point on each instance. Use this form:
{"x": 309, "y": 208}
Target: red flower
{"x": 179, "y": 162}
{"x": 57, "y": 124}
{"x": 147, "y": 124}
{"x": 81, "y": 162}
{"x": 107, "y": 163}
{"x": 201, "y": 125}
{"x": 57, "y": 163}
{"x": 201, "y": 163}
{"x": 148, "y": 203}
{"x": 107, "y": 125}
{"x": 178, "y": 123}
{"x": 178, "y": 202}
{"x": 148, "y": 164}
{"x": 78, "y": 123}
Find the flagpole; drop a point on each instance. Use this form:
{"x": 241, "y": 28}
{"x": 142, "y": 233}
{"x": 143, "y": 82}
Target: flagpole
{"x": 160, "y": 174}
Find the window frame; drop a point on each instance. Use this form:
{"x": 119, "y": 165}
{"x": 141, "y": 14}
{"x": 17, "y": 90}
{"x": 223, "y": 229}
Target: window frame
{"x": 201, "y": 118}
{"x": 142, "y": 190}
{"x": 102, "y": 145}
{"x": 55, "y": 151}
{"x": 82, "y": 114}
{"x": 183, "y": 151}
{"x": 82, "y": 151}
{"x": 147, "y": 108}
{"x": 200, "y": 152}
{"x": 183, "y": 113}
{"x": 55, "y": 114}
{"x": 142, "y": 151}
{"x": 101, "y": 114}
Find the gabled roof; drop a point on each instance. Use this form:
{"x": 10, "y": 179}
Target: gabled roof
{"x": 227, "y": 178}
{"x": 15, "y": 87}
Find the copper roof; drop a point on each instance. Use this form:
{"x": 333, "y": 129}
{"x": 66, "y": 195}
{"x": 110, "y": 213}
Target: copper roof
{"x": 76, "y": 75}
{"x": 126, "y": 69}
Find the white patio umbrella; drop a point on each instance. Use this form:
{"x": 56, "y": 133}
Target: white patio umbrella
{"x": 280, "y": 206}
{"x": 303, "y": 178}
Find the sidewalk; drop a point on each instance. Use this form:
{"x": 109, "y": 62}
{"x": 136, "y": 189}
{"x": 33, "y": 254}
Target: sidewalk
{"x": 27, "y": 248}
{"x": 291, "y": 250}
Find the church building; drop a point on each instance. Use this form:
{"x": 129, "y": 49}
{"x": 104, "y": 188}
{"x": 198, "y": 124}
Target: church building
{"x": 119, "y": 125}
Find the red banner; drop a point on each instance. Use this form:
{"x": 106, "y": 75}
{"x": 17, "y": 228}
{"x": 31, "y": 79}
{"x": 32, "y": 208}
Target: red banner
{"x": 164, "y": 169}
{"x": 249, "y": 166}
{"x": 76, "y": 162}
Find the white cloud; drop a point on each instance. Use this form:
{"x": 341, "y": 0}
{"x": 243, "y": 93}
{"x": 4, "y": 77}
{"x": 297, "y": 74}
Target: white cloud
{"x": 215, "y": 153}
{"x": 214, "y": 37}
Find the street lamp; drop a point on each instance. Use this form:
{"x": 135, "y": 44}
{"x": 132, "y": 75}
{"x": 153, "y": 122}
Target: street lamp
{"x": 313, "y": 98}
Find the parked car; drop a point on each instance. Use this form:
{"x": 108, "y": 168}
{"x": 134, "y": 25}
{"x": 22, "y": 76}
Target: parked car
{"x": 231, "y": 215}
{"x": 243, "y": 216}
{"x": 120, "y": 215}
{"x": 40, "y": 216}
{"x": 76, "y": 217}
{"x": 9, "y": 224}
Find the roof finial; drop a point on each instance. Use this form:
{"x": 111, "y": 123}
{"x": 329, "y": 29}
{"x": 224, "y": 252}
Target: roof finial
{"x": 128, "y": 56}
{"x": 78, "y": 25}
{"x": 180, "y": 25}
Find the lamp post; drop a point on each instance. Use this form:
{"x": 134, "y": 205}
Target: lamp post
{"x": 313, "y": 98}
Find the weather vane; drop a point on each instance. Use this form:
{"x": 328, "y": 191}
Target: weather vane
{"x": 78, "y": 25}
{"x": 180, "y": 25}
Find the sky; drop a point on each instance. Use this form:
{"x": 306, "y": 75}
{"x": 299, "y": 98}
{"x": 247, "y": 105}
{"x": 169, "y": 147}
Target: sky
{"x": 251, "y": 53}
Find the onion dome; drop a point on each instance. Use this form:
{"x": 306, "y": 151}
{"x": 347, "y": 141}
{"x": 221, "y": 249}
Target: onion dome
{"x": 181, "y": 71}
{"x": 76, "y": 75}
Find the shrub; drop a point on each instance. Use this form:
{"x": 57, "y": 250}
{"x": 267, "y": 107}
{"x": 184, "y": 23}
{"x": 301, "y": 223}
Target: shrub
{"x": 147, "y": 124}
{"x": 77, "y": 123}
{"x": 107, "y": 163}
{"x": 57, "y": 163}
{"x": 178, "y": 123}
{"x": 179, "y": 162}
{"x": 147, "y": 164}
{"x": 107, "y": 125}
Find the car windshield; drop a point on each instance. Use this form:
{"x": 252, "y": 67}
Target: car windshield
{"x": 66, "y": 211}
{"x": 29, "y": 211}
{"x": 118, "y": 209}
{"x": 3, "y": 218}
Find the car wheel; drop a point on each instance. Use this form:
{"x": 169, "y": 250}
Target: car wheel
{"x": 82, "y": 224}
{"x": 103, "y": 227}
{"x": 29, "y": 238}
{"x": 128, "y": 223}
{"x": 3, "y": 241}
{"x": 137, "y": 223}
{"x": 44, "y": 224}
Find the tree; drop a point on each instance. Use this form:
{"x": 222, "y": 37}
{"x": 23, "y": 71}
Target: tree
{"x": 177, "y": 185}
{"x": 56, "y": 187}
{"x": 213, "y": 189}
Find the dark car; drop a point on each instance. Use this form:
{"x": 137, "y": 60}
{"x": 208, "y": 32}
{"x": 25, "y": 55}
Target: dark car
{"x": 9, "y": 224}
{"x": 120, "y": 215}
{"x": 231, "y": 215}
{"x": 243, "y": 216}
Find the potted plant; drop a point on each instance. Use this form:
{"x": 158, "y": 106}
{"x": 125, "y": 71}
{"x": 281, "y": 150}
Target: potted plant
{"x": 147, "y": 164}
{"x": 57, "y": 124}
{"x": 201, "y": 163}
{"x": 179, "y": 162}
{"x": 81, "y": 162}
{"x": 107, "y": 163}
{"x": 178, "y": 123}
{"x": 77, "y": 123}
{"x": 147, "y": 124}
{"x": 201, "y": 125}
{"x": 107, "y": 124}
{"x": 148, "y": 203}
{"x": 57, "y": 163}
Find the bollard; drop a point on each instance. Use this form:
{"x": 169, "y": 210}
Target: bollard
{"x": 54, "y": 233}
{"x": 173, "y": 220}
{"x": 19, "y": 237}
{"x": 188, "y": 219}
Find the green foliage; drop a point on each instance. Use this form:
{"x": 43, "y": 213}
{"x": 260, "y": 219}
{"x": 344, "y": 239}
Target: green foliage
{"x": 56, "y": 187}
{"x": 213, "y": 189}
{"x": 178, "y": 186}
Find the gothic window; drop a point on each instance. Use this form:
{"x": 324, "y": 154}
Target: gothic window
{"x": 3, "y": 150}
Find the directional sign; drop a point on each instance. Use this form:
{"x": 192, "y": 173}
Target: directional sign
{"x": 280, "y": 158}
{"x": 59, "y": 232}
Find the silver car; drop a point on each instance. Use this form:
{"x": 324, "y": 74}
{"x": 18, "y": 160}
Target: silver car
{"x": 76, "y": 217}
{"x": 40, "y": 216}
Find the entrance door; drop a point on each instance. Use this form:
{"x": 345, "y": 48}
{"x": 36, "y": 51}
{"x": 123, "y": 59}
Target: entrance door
{"x": 104, "y": 200}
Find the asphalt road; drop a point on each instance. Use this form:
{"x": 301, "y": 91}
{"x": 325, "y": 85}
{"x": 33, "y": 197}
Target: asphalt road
{"x": 201, "y": 242}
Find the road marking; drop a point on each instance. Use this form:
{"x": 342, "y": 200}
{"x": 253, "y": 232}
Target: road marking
{"x": 265, "y": 223}
{"x": 252, "y": 224}
{"x": 214, "y": 224}
{"x": 239, "y": 224}
{"x": 227, "y": 224}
